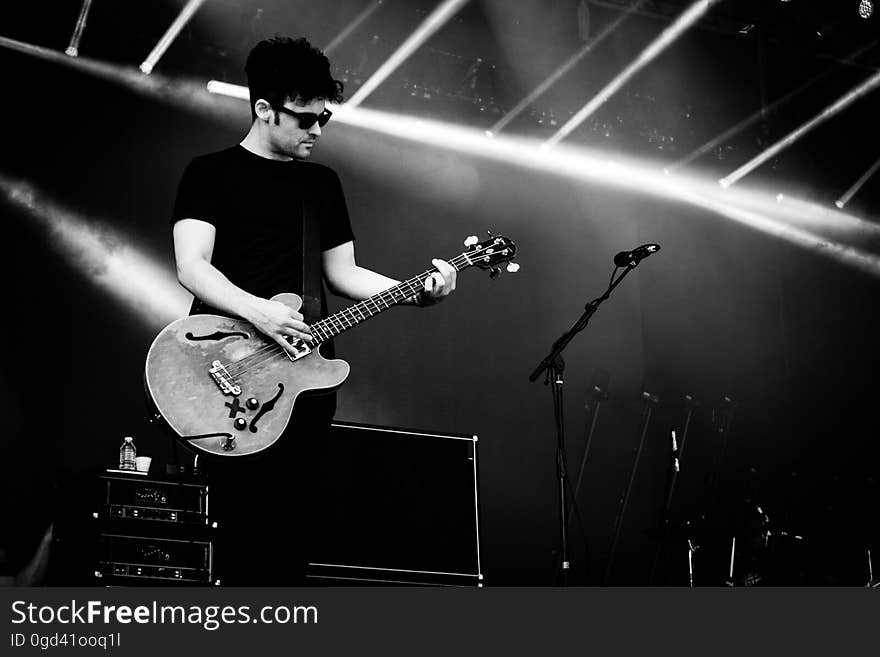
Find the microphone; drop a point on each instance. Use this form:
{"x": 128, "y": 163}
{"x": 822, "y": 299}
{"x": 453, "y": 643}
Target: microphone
{"x": 634, "y": 257}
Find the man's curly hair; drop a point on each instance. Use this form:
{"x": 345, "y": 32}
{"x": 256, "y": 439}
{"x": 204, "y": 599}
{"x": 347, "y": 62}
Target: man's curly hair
{"x": 281, "y": 69}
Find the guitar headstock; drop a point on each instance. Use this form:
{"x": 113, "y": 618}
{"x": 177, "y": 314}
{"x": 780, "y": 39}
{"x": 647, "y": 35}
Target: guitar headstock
{"x": 490, "y": 253}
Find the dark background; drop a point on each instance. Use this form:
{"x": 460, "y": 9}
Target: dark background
{"x": 787, "y": 334}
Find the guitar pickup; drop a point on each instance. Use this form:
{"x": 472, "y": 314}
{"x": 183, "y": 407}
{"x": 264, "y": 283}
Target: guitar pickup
{"x": 300, "y": 348}
{"x": 223, "y": 379}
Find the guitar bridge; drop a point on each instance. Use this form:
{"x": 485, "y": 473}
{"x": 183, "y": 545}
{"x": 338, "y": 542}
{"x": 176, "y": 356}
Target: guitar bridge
{"x": 300, "y": 348}
{"x": 223, "y": 379}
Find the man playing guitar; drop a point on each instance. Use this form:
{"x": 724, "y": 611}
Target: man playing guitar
{"x": 253, "y": 221}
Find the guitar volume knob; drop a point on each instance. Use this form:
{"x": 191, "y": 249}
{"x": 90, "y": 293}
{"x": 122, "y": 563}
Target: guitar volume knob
{"x": 253, "y": 403}
{"x": 240, "y": 424}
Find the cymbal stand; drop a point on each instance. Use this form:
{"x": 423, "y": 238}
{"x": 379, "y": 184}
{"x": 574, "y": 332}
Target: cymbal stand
{"x": 872, "y": 583}
{"x": 691, "y": 550}
{"x": 597, "y": 395}
{"x": 722, "y": 418}
{"x": 730, "y": 580}
{"x": 650, "y": 401}
{"x": 677, "y": 456}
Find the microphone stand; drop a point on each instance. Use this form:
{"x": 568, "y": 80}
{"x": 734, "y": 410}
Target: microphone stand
{"x": 723, "y": 420}
{"x": 554, "y": 365}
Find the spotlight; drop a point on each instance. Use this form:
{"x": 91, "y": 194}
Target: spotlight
{"x": 866, "y": 9}
{"x": 73, "y": 48}
{"x": 852, "y": 191}
{"x": 165, "y": 42}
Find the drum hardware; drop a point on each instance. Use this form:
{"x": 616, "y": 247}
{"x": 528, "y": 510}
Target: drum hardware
{"x": 677, "y": 454}
{"x": 597, "y": 394}
{"x": 722, "y": 418}
{"x": 650, "y": 402}
{"x": 694, "y": 538}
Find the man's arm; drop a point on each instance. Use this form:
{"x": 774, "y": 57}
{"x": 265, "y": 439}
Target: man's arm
{"x": 193, "y": 248}
{"x": 345, "y": 278}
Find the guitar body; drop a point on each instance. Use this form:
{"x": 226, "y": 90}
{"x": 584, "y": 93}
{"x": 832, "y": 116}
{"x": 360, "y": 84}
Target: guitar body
{"x": 245, "y": 405}
{"x": 223, "y": 388}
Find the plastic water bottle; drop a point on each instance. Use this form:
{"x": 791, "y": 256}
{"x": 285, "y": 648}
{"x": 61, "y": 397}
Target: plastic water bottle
{"x": 126, "y": 454}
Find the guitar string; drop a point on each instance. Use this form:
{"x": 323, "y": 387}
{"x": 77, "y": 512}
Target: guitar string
{"x": 272, "y": 350}
{"x": 339, "y": 322}
{"x": 347, "y": 319}
{"x": 275, "y": 350}
{"x": 278, "y": 352}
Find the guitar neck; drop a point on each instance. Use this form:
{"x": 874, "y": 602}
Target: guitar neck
{"x": 353, "y": 315}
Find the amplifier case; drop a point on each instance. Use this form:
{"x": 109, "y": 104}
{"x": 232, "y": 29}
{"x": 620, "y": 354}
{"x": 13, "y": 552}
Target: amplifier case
{"x": 397, "y": 506}
{"x": 158, "y": 500}
{"x": 152, "y": 531}
{"x": 137, "y": 559}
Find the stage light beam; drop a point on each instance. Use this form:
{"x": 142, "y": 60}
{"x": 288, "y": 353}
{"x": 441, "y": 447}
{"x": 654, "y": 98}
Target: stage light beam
{"x": 761, "y": 212}
{"x": 832, "y": 110}
{"x": 352, "y": 26}
{"x": 749, "y": 208}
{"x": 666, "y": 38}
{"x": 437, "y": 19}
{"x": 103, "y": 255}
{"x": 852, "y": 191}
{"x": 170, "y": 35}
{"x": 554, "y": 77}
{"x": 73, "y": 48}
{"x": 759, "y": 114}
{"x": 188, "y": 94}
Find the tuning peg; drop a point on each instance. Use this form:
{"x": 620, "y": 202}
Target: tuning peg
{"x": 490, "y": 233}
{"x": 512, "y": 267}
{"x": 471, "y": 241}
{"x": 494, "y": 272}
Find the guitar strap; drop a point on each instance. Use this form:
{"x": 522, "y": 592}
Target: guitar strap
{"x": 311, "y": 257}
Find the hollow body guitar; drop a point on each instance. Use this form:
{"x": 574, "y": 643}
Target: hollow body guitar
{"x": 224, "y": 388}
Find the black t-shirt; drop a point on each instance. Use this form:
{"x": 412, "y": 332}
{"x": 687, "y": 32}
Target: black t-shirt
{"x": 256, "y": 205}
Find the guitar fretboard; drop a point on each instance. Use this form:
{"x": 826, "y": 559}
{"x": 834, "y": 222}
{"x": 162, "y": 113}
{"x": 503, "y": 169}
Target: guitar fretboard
{"x": 359, "y": 312}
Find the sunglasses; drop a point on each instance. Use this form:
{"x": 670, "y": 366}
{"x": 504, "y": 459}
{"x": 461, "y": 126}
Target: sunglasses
{"x": 307, "y": 119}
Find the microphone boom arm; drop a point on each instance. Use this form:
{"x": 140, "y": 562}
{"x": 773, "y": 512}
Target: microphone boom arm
{"x": 560, "y": 344}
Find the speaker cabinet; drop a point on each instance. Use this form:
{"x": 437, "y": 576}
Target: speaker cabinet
{"x": 397, "y": 506}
